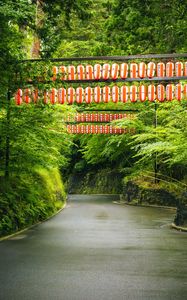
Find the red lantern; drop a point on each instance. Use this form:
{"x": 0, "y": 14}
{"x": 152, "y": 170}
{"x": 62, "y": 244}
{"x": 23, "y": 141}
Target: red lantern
{"x": 27, "y": 98}
{"x": 106, "y": 129}
{"x": 71, "y": 95}
{"x": 18, "y": 97}
{"x": 160, "y": 91}
{"x": 106, "y": 118}
{"x": 178, "y": 69}
{"x": 178, "y": 92}
{"x": 151, "y": 92}
{"x": 185, "y": 69}
{"x": 185, "y": 92}
{"x": 106, "y": 94}
{"x": 35, "y": 95}
{"x": 115, "y": 94}
{"x": 142, "y": 93}
{"x": 53, "y": 96}
{"x": 63, "y": 72}
{"x": 97, "y": 94}
{"x": 142, "y": 70}
{"x": 124, "y": 71}
{"x": 114, "y": 71}
{"x": 169, "y": 92}
{"x": 96, "y": 129}
{"x": 124, "y": 94}
{"x": 62, "y": 95}
{"x": 87, "y": 117}
{"x": 133, "y": 70}
{"x": 46, "y": 97}
{"x": 79, "y": 95}
{"x": 71, "y": 73}
{"x": 97, "y": 71}
{"x": 80, "y": 72}
{"x": 160, "y": 69}
{"x": 55, "y": 72}
{"x": 88, "y": 95}
{"x": 82, "y": 129}
{"x": 89, "y": 72}
{"x": 169, "y": 69}
{"x": 133, "y": 93}
{"x": 151, "y": 69}
{"x": 110, "y": 129}
{"x": 106, "y": 71}
{"x": 92, "y": 129}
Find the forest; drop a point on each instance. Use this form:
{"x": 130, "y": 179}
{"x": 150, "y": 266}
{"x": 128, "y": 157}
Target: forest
{"x": 39, "y": 159}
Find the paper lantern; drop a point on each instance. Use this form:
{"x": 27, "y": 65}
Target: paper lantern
{"x": 46, "y": 97}
{"x": 124, "y": 91}
{"x": 124, "y": 70}
{"x": 97, "y": 94}
{"x": 170, "y": 69}
{"x": 107, "y": 118}
{"x": 92, "y": 129}
{"x": 142, "y": 70}
{"x": 89, "y": 72}
{"x": 185, "y": 92}
{"x": 97, "y": 71}
{"x": 106, "y": 94}
{"x": 115, "y": 94}
{"x": 169, "y": 92}
{"x": 151, "y": 92}
{"x": 178, "y": 69}
{"x": 88, "y": 95}
{"x": 63, "y": 72}
{"x": 178, "y": 92}
{"x": 133, "y": 70}
{"x": 27, "y": 94}
{"x": 80, "y": 72}
{"x": 151, "y": 67}
{"x": 160, "y": 92}
{"x": 106, "y": 71}
{"x": 133, "y": 93}
{"x": 114, "y": 71}
{"x": 71, "y": 73}
{"x": 35, "y": 95}
{"x": 82, "y": 129}
{"x": 185, "y": 68}
{"x": 142, "y": 93}
{"x": 160, "y": 69}
{"x": 18, "y": 97}
{"x": 55, "y": 72}
{"x": 62, "y": 95}
{"x": 79, "y": 95}
{"x": 71, "y": 95}
{"x": 53, "y": 96}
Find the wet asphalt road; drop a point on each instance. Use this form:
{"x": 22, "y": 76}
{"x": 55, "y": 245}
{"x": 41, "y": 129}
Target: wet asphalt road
{"x": 97, "y": 250}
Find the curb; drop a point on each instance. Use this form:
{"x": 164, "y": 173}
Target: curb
{"x": 27, "y": 228}
{"x": 146, "y": 205}
{"x": 184, "y": 229}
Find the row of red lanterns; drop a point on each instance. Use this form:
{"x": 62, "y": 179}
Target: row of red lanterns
{"x": 98, "y": 129}
{"x": 124, "y": 70}
{"x": 105, "y": 94}
{"x": 97, "y": 117}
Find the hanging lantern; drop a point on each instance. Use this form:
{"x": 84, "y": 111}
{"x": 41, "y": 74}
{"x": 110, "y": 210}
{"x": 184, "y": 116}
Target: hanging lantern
{"x": 114, "y": 71}
{"x": 71, "y": 95}
{"x": 80, "y": 72}
{"x": 169, "y": 69}
{"x": 71, "y": 73}
{"x": 169, "y": 92}
{"x": 142, "y": 93}
{"x": 53, "y": 96}
{"x": 151, "y": 92}
{"x": 142, "y": 70}
{"x": 87, "y": 117}
{"x": 115, "y": 94}
{"x": 18, "y": 97}
{"x": 101, "y": 129}
{"x": 92, "y": 118}
{"x": 178, "y": 92}
{"x": 88, "y": 129}
{"x": 133, "y": 93}
{"x": 89, "y": 72}
{"x": 88, "y": 95}
{"x": 96, "y": 129}
{"x": 62, "y": 95}
{"x": 160, "y": 91}
{"x": 106, "y": 118}
{"x": 46, "y": 98}
{"x": 55, "y": 72}
{"x": 106, "y": 71}
{"x": 106, "y": 94}
{"x": 35, "y": 95}
{"x": 160, "y": 69}
{"x": 111, "y": 117}
{"x": 124, "y": 94}
{"x": 185, "y": 92}
{"x": 124, "y": 70}
{"x": 27, "y": 98}
{"x": 151, "y": 69}
{"x": 97, "y": 71}
{"x": 63, "y": 72}
{"x": 96, "y": 117}
{"x": 97, "y": 94}
{"x": 92, "y": 129}
{"x": 178, "y": 69}
{"x": 79, "y": 95}
{"x": 133, "y": 70}
{"x": 82, "y": 129}
{"x": 185, "y": 69}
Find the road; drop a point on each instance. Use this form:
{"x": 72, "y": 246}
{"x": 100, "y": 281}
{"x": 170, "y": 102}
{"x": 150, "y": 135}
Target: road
{"x": 97, "y": 250}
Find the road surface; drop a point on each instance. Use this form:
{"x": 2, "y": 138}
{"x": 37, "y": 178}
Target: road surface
{"x": 97, "y": 250}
